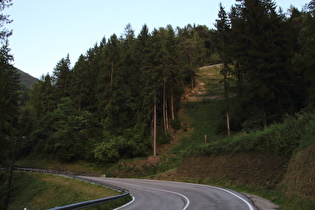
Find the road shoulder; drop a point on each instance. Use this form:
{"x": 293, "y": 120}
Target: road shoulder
{"x": 262, "y": 203}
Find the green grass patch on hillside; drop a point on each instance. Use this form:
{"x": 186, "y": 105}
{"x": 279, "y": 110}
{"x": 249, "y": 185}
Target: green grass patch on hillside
{"x": 280, "y": 139}
{"x": 44, "y": 191}
{"x": 212, "y": 77}
{"x": 204, "y": 118}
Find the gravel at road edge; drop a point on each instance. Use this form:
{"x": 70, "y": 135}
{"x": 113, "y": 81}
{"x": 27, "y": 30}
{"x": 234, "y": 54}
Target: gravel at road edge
{"x": 262, "y": 203}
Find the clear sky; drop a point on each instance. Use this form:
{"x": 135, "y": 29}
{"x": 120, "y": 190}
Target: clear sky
{"x": 44, "y": 31}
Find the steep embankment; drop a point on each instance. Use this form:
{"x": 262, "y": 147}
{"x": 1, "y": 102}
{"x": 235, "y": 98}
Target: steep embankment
{"x": 299, "y": 178}
{"x": 251, "y": 169}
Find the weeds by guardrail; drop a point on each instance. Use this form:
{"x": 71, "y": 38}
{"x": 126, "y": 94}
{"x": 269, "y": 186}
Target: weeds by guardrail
{"x": 91, "y": 203}
{"x": 73, "y": 175}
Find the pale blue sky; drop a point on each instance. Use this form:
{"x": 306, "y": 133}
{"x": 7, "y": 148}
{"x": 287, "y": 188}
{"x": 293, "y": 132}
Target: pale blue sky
{"x": 44, "y": 31}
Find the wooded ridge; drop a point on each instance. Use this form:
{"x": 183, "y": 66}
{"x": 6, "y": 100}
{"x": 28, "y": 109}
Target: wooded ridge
{"x": 121, "y": 98}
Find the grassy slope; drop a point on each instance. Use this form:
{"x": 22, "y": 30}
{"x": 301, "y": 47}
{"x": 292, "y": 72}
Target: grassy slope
{"x": 43, "y": 191}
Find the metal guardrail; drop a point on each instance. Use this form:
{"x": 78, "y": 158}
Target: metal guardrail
{"x": 91, "y": 203}
{"x": 51, "y": 171}
{"x": 73, "y": 176}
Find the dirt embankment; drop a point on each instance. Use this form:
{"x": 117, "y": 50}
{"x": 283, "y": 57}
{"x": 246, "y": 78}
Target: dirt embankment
{"x": 299, "y": 178}
{"x": 250, "y": 169}
{"x": 296, "y": 175}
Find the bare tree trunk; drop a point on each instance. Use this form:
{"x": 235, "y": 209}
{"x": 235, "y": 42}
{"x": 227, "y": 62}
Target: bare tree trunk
{"x": 164, "y": 107}
{"x": 226, "y": 94}
{"x": 264, "y": 117}
{"x": 228, "y": 123}
{"x": 239, "y": 80}
{"x": 166, "y": 116}
{"x": 172, "y": 105}
{"x": 154, "y": 126}
{"x": 192, "y": 81}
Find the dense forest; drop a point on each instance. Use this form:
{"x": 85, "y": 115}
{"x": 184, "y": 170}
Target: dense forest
{"x": 120, "y": 98}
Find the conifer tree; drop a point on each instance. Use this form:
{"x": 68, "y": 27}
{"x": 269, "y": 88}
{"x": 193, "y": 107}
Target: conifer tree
{"x": 9, "y": 85}
{"x": 9, "y": 96}
{"x": 175, "y": 85}
{"x": 92, "y": 72}
{"x": 43, "y": 96}
{"x": 143, "y": 49}
{"x": 261, "y": 51}
{"x": 304, "y": 59}
{"x": 79, "y": 90}
{"x": 222, "y": 35}
{"x": 153, "y": 76}
{"x": 62, "y": 77}
{"x": 113, "y": 56}
{"x": 112, "y": 99}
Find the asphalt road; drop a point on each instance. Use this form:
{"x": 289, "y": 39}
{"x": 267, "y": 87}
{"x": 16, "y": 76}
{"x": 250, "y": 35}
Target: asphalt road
{"x": 152, "y": 194}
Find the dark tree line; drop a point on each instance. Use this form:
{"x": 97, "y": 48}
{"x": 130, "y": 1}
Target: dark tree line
{"x": 267, "y": 61}
{"x": 121, "y": 97}
{"x": 9, "y": 105}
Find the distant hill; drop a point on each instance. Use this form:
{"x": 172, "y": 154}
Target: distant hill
{"x": 26, "y": 79}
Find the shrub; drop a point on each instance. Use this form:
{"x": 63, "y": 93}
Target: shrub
{"x": 280, "y": 139}
{"x": 106, "y": 152}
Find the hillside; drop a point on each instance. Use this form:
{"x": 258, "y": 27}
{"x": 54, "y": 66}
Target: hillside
{"x": 265, "y": 170}
{"x": 26, "y": 79}
{"x": 266, "y": 163}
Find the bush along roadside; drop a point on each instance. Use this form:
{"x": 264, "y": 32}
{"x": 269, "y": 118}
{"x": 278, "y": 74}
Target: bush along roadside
{"x": 281, "y": 139}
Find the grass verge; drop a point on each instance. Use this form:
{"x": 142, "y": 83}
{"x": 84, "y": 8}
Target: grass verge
{"x": 44, "y": 191}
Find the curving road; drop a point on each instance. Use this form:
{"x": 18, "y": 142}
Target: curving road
{"x": 152, "y": 194}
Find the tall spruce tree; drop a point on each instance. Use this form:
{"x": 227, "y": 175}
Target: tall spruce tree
{"x": 263, "y": 59}
{"x": 9, "y": 96}
{"x": 92, "y": 73}
{"x": 304, "y": 59}
{"x": 223, "y": 39}
{"x": 9, "y": 85}
{"x": 142, "y": 56}
{"x": 79, "y": 88}
{"x": 152, "y": 73}
{"x": 43, "y": 96}
{"x": 175, "y": 85}
{"x": 62, "y": 77}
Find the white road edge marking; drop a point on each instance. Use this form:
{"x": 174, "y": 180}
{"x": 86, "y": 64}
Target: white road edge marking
{"x": 227, "y": 190}
{"x": 245, "y": 201}
{"x": 188, "y": 202}
{"x": 176, "y": 193}
{"x": 127, "y": 204}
